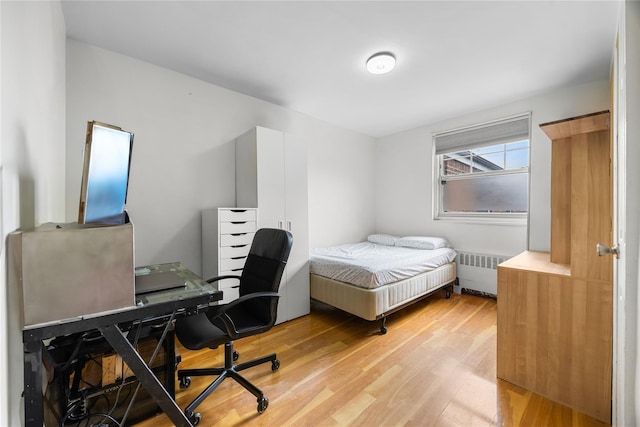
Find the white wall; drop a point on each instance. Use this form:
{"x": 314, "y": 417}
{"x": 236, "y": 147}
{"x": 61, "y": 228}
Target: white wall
{"x": 341, "y": 188}
{"x": 183, "y": 157}
{"x": 32, "y": 143}
{"x": 4, "y": 355}
{"x": 404, "y": 174}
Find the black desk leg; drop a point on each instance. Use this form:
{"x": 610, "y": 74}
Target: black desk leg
{"x": 146, "y": 377}
{"x": 33, "y": 395}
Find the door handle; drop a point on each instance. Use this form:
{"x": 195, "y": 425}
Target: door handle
{"x": 603, "y": 250}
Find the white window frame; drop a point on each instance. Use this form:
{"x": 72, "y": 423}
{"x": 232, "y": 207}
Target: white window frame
{"x": 501, "y": 218}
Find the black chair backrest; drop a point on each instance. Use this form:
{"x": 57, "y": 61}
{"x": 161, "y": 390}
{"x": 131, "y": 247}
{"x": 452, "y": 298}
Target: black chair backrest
{"x": 264, "y": 267}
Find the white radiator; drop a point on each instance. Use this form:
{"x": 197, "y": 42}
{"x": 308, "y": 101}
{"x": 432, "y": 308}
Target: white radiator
{"x": 480, "y": 260}
{"x": 479, "y": 272}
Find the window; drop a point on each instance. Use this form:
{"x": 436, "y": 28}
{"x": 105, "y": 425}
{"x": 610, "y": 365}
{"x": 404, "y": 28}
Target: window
{"x": 483, "y": 171}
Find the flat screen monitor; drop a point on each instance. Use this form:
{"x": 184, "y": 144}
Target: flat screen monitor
{"x": 105, "y": 174}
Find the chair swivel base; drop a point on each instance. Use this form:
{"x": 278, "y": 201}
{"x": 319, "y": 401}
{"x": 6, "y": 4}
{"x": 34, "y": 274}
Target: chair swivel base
{"x": 230, "y": 370}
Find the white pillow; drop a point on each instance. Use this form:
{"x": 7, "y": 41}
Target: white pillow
{"x": 423, "y": 242}
{"x": 383, "y": 239}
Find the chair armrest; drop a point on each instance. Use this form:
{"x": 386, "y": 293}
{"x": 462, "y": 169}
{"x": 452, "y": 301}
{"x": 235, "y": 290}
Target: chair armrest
{"x": 218, "y": 278}
{"x": 220, "y": 311}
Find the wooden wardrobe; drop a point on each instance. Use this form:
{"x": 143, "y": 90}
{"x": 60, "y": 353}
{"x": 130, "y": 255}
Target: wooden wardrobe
{"x": 555, "y": 309}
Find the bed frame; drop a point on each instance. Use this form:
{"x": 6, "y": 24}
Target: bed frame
{"x": 378, "y": 303}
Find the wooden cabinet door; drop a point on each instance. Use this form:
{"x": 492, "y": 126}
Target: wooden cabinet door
{"x": 555, "y": 337}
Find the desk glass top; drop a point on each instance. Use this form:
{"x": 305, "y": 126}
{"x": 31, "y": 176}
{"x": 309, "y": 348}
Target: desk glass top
{"x": 193, "y": 284}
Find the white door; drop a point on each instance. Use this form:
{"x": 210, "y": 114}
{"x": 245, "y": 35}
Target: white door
{"x": 626, "y": 89}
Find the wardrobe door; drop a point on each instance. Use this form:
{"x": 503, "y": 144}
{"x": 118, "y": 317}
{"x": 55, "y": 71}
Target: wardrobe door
{"x": 270, "y": 178}
{"x": 297, "y": 222}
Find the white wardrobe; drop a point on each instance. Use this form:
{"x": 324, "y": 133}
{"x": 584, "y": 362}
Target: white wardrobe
{"x": 271, "y": 175}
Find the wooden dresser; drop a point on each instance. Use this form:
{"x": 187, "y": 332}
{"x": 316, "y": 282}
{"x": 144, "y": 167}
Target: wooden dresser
{"x": 555, "y": 309}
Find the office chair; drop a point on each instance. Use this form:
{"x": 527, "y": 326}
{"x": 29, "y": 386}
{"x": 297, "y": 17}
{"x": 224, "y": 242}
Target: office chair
{"x": 254, "y": 312}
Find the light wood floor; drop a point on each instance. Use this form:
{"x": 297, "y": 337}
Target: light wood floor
{"x": 434, "y": 367}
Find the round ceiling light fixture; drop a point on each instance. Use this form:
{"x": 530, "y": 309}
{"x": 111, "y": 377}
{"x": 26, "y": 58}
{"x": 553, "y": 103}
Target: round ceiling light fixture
{"x": 381, "y": 63}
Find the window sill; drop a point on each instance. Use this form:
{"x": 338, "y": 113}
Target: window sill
{"x": 519, "y": 221}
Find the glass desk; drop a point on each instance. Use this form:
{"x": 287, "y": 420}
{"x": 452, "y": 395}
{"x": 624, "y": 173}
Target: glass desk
{"x": 194, "y": 297}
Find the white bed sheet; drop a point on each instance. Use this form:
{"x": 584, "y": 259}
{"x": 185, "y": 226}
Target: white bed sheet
{"x": 369, "y": 265}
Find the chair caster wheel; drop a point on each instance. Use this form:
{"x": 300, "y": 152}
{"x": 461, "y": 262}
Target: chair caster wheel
{"x": 263, "y": 402}
{"x": 275, "y": 365}
{"x": 195, "y": 418}
{"x": 235, "y": 355}
{"x": 185, "y": 382}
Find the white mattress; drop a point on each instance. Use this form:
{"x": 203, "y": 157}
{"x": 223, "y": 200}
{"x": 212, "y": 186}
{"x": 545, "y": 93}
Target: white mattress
{"x": 369, "y": 265}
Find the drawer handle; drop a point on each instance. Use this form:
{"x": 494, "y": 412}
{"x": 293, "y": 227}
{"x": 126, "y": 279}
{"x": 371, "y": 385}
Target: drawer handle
{"x": 238, "y": 257}
{"x": 238, "y": 222}
{"x": 239, "y": 234}
{"x": 237, "y": 269}
{"x": 238, "y": 246}
{"x": 238, "y": 210}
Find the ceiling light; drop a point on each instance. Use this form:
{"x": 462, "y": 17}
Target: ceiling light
{"x": 381, "y": 63}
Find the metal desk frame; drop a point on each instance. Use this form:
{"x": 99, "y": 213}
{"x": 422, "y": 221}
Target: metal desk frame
{"x": 196, "y": 296}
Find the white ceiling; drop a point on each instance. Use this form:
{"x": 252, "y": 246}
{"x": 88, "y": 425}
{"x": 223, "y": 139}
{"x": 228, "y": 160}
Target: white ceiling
{"x": 453, "y": 57}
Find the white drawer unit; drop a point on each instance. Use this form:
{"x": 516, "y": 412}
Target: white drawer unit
{"x": 237, "y": 227}
{"x": 232, "y": 264}
{"x": 234, "y": 251}
{"x": 240, "y": 239}
{"x": 227, "y": 234}
{"x": 235, "y": 215}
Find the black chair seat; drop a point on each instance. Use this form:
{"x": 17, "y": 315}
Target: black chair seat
{"x": 199, "y": 331}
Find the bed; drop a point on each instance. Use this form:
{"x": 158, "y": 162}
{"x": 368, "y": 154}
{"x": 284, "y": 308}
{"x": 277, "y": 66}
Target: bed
{"x": 375, "y": 278}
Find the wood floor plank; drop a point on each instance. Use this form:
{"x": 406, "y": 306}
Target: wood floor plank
{"x": 436, "y": 366}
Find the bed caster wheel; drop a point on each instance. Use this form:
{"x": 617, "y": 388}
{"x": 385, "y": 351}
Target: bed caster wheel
{"x": 185, "y": 382}
{"x": 275, "y": 365}
{"x": 195, "y": 418}
{"x": 263, "y": 402}
{"x": 383, "y": 326}
{"x": 236, "y": 355}
{"x": 448, "y": 295}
